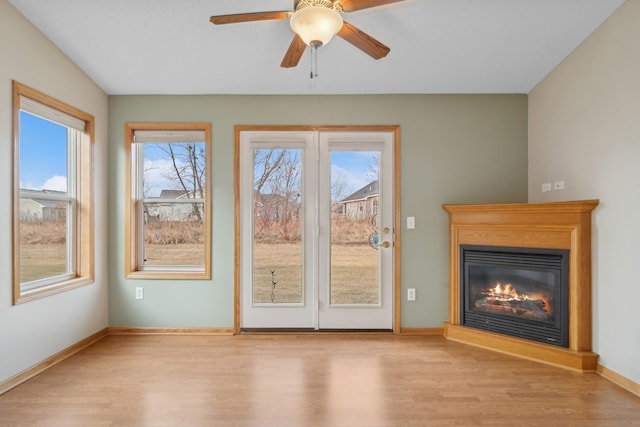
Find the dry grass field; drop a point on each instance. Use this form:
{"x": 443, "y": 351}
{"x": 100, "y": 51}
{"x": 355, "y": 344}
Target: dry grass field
{"x": 354, "y": 269}
{"x": 42, "y": 250}
{"x": 40, "y": 260}
{"x": 354, "y": 265}
{"x": 354, "y": 273}
{"x": 43, "y": 246}
{"x": 174, "y": 253}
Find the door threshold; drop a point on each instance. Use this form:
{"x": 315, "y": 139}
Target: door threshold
{"x": 313, "y": 331}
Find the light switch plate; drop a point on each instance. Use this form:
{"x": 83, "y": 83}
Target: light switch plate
{"x": 411, "y": 222}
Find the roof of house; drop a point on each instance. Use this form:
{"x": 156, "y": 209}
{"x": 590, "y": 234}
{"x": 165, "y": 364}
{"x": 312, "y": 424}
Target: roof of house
{"x": 36, "y": 196}
{"x": 369, "y": 190}
{"x": 171, "y": 194}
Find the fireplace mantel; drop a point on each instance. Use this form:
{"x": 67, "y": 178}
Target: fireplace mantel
{"x": 558, "y": 225}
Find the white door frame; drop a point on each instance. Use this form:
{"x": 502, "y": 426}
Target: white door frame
{"x": 304, "y": 313}
{"x": 395, "y": 130}
{"x": 378, "y": 316}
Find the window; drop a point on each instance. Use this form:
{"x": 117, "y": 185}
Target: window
{"x": 168, "y": 213}
{"x": 53, "y": 193}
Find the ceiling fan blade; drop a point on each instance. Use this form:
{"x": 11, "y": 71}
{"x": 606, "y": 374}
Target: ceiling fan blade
{"x": 353, "y": 5}
{"x": 294, "y": 53}
{"x": 248, "y": 17}
{"x": 363, "y": 41}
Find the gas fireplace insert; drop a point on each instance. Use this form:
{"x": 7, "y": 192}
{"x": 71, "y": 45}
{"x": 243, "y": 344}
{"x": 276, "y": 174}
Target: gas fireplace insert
{"x": 522, "y": 292}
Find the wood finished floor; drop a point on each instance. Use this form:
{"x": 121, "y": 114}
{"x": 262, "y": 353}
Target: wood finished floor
{"x": 309, "y": 380}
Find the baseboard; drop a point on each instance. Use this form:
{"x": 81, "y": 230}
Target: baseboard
{"x": 619, "y": 380}
{"x": 581, "y": 361}
{"x": 125, "y": 330}
{"x": 427, "y": 332}
{"x": 50, "y": 361}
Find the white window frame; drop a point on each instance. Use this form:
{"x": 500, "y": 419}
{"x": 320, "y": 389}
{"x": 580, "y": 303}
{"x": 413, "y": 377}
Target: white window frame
{"x": 78, "y": 198}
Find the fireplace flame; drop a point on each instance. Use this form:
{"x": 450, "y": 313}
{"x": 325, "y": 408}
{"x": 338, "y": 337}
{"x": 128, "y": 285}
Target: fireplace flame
{"x": 507, "y": 293}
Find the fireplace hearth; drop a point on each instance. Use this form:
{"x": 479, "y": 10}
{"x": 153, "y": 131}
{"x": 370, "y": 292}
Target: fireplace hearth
{"x": 515, "y": 291}
{"x": 502, "y": 298}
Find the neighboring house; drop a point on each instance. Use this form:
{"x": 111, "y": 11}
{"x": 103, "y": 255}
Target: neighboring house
{"x": 171, "y": 206}
{"x": 274, "y": 206}
{"x": 363, "y": 204}
{"x": 35, "y": 206}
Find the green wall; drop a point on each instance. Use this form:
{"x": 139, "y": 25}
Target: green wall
{"x": 454, "y": 149}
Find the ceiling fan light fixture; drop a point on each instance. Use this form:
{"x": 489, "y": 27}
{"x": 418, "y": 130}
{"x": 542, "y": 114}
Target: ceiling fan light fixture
{"x": 316, "y": 24}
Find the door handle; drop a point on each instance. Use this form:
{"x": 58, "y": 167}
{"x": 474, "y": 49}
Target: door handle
{"x": 373, "y": 241}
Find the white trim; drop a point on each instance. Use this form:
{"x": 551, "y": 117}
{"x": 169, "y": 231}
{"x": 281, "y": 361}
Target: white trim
{"x": 256, "y": 315}
{"x": 162, "y": 135}
{"x": 315, "y": 311}
{"x": 49, "y": 113}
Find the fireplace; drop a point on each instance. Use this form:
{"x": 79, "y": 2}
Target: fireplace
{"x": 522, "y": 292}
{"x": 529, "y": 233}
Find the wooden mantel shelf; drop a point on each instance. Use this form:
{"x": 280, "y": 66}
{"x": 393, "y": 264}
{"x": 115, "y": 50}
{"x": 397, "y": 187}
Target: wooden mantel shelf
{"x": 557, "y": 225}
{"x": 552, "y": 207}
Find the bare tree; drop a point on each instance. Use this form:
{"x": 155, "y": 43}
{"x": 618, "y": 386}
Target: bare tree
{"x": 188, "y": 170}
{"x": 265, "y": 163}
{"x": 338, "y": 185}
{"x": 277, "y": 190}
{"x": 374, "y": 166}
{"x": 286, "y": 184}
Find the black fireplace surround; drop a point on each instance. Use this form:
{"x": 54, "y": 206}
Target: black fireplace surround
{"x": 521, "y": 292}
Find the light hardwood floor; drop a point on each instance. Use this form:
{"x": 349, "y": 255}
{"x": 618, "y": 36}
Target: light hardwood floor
{"x": 309, "y": 380}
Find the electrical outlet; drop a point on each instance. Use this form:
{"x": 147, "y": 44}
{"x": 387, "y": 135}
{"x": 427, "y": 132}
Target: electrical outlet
{"x": 139, "y": 292}
{"x": 546, "y": 187}
{"x": 558, "y": 185}
{"x": 411, "y": 294}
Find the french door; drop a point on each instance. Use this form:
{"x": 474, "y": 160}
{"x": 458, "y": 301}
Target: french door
{"x": 316, "y": 229}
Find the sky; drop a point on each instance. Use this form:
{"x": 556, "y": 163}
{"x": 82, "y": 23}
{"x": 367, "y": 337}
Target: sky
{"x": 43, "y": 157}
{"x": 351, "y": 169}
{"x": 43, "y": 154}
{"x": 355, "y": 166}
{"x": 158, "y": 169}
{"x": 43, "y": 162}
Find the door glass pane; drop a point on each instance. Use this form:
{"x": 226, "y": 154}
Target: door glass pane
{"x": 355, "y": 234}
{"x": 277, "y": 236}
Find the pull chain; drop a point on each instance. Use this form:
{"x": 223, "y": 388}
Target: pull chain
{"x": 315, "y": 44}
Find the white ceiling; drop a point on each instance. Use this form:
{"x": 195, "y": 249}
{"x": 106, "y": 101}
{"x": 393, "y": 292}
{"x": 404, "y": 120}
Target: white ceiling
{"x": 437, "y": 46}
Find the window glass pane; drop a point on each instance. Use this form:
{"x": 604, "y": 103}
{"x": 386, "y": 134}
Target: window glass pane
{"x": 174, "y": 234}
{"x": 174, "y": 170}
{"x": 43, "y": 248}
{"x": 43, "y": 172}
{"x": 174, "y": 228}
{"x": 43, "y": 154}
{"x": 277, "y": 241}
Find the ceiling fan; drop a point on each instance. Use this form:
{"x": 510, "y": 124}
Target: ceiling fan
{"x": 315, "y": 22}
